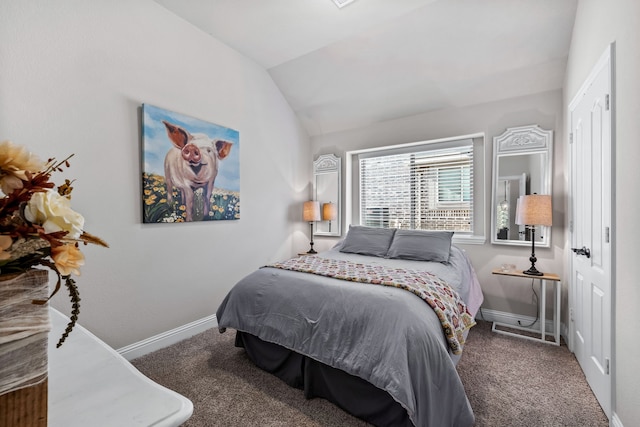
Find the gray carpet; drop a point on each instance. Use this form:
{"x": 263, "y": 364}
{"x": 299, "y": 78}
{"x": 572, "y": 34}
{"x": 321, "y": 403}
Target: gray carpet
{"x": 509, "y": 382}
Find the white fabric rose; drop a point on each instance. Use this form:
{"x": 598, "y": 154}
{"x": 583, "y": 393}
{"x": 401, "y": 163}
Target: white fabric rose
{"x": 53, "y": 212}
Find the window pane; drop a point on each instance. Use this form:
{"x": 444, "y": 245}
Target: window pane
{"x": 450, "y": 185}
{"x": 426, "y": 189}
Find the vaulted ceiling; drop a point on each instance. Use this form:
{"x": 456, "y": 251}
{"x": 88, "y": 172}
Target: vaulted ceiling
{"x": 376, "y": 60}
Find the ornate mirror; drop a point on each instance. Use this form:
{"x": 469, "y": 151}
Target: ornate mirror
{"x": 326, "y": 190}
{"x": 522, "y": 158}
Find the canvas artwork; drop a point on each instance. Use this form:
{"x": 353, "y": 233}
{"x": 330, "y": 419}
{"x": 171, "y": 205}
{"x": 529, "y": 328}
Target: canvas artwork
{"x": 191, "y": 168}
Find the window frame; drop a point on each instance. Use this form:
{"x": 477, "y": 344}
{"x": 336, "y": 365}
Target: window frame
{"x": 352, "y": 205}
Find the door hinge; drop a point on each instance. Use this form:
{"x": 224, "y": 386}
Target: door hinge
{"x": 606, "y": 366}
{"x": 606, "y": 234}
{"x": 571, "y": 226}
{"x": 606, "y": 102}
{"x": 571, "y": 138}
{"x": 571, "y": 314}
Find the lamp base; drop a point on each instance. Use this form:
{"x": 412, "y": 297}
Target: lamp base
{"x": 533, "y": 272}
{"x": 311, "y": 250}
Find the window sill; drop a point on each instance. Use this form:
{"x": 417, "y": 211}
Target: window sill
{"x": 469, "y": 240}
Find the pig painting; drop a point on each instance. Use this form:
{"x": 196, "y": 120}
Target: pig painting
{"x": 192, "y": 164}
{"x": 191, "y": 168}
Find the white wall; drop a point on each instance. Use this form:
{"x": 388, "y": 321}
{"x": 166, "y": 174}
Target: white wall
{"x": 545, "y": 109}
{"x": 599, "y": 23}
{"x": 73, "y": 75}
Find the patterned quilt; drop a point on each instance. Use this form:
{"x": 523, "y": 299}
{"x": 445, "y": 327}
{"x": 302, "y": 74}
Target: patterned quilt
{"x": 447, "y": 304}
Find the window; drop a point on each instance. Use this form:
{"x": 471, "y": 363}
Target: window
{"x": 454, "y": 184}
{"x": 427, "y": 186}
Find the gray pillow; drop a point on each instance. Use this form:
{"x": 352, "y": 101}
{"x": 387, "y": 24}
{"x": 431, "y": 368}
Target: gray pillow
{"x": 420, "y": 245}
{"x": 368, "y": 240}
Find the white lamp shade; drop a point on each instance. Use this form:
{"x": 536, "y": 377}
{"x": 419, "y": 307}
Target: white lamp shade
{"x": 311, "y": 211}
{"x": 534, "y": 209}
{"x": 329, "y": 211}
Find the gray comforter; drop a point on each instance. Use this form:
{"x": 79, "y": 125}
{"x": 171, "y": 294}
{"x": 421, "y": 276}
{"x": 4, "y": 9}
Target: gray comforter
{"x": 385, "y": 335}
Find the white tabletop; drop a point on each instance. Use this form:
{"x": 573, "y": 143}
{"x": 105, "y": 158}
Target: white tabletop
{"x": 90, "y": 384}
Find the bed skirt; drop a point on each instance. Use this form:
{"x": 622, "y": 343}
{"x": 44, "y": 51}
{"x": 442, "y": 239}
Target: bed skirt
{"x": 353, "y": 394}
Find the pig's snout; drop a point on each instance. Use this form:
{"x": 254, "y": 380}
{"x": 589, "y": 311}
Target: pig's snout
{"x": 191, "y": 153}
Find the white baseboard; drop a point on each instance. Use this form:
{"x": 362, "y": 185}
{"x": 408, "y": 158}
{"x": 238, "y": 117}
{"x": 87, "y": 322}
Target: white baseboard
{"x": 512, "y": 319}
{"x": 615, "y": 421}
{"x": 168, "y": 338}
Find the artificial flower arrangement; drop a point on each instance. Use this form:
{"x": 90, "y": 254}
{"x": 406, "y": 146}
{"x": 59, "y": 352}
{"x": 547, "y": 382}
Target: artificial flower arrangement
{"x": 37, "y": 225}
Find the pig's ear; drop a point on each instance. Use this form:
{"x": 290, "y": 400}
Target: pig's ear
{"x": 223, "y": 147}
{"x": 177, "y": 135}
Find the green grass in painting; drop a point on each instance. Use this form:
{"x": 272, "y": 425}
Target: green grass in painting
{"x": 156, "y": 207}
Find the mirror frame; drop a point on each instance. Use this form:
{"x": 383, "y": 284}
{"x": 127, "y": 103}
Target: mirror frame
{"x": 520, "y": 141}
{"x": 324, "y": 165}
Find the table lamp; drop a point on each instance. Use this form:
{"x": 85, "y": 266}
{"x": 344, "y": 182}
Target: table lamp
{"x": 532, "y": 210}
{"x": 311, "y": 213}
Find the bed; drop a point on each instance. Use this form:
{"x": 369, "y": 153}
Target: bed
{"x": 349, "y": 325}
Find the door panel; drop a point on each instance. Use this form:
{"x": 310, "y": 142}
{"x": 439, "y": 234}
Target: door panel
{"x": 597, "y": 314}
{"x": 579, "y": 319}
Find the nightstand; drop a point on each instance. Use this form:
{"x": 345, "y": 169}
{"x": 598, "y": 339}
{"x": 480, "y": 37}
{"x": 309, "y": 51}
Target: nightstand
{"x": 554, "y": 279}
